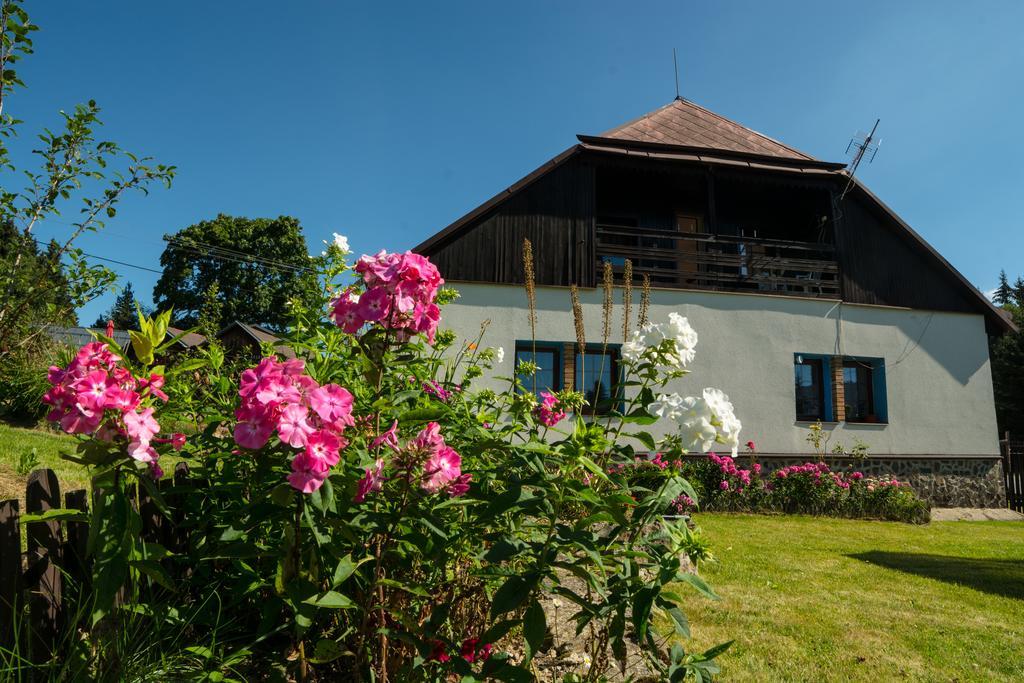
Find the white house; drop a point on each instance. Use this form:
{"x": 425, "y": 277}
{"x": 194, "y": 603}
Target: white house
{"x": 811, "y": 303}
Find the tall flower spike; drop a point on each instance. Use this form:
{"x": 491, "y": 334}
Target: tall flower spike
{"x": 531, "y": 291}
{"x": 607, "y": 281}
{"x": 577, "y": 316}
{"x": 627, "y": 297}
{"x": 645, "y": 300}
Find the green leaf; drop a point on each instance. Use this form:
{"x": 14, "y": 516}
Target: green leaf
{"x": 155, "y": 571}
{"x": 283, "y": 495}
{"x": 679, "y": 621}
{"x": 645, "y": 438}
{"x": 511, "y": 595}
{"x": 344, "y": 570}
{"x": 698, "y": 583}
{"x": 331, "y": 600}
{"x": 642, "y": 603}
{"x": 717, "y": 650}
{"x": 499, "y": 630}
{"x": 504, "y": 548}
{"x": 422, "y": 415}
{"x": 327, "y": 651}
{"x": 56, "y": 515}
{"x": 534, "y": 629}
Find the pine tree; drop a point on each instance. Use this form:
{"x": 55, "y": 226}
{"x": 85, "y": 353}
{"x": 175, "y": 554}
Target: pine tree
{"x": 123, "y": 312}
{"x": 1017, "y": 298}
{"x": 1004, "y": 292}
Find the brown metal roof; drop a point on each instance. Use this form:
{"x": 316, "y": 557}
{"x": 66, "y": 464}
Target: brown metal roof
{"x": 683, "y": 123}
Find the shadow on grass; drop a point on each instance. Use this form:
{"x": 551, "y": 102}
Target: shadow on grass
{"x": 996, "y": 576}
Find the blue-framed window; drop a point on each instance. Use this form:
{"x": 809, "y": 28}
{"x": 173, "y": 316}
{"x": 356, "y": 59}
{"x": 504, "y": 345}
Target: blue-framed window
{"x": 548, "y": 357}
{"x": 598, "y": 375}
{"x": 812, "y": 388}
{"x": 864, "y": 390}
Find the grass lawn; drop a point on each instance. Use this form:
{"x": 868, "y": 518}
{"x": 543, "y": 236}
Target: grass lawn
{"x": 15, "y": 441}
{"x": 815, "y": 599}
{"x": 49, "y": 445}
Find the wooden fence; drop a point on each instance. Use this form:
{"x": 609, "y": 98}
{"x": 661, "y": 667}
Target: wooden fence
{"x": 1013, "y": 472}
{"x": 40, "y": 586}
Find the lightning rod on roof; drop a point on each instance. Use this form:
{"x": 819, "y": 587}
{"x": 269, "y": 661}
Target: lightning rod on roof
{"x": 861, "y": 145}
{"x": 675, "y": 64}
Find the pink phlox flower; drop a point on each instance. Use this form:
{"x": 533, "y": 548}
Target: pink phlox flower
{"x": 429, "y": 441}
{"x": 96, "y": 389}
{"x": 724, "y": 485}
{"x": 155, "y": 384}
{"x": 460, "y": 485}
{"x": 142, "y": 451}
{"x": 293, "y": 425}
{"x": 438, "y": 653}
{"x": 472, "y": 651}
{"x": 436, "y": 390}
{"x": 177, "y": 441}
{"x": 81, "y": 420}
{"x": 388, "y": 438}
{"x": 345, "y": 312}
{"x": 323, "y": 446}
{"x": 333, "y": 404}
{"x": 548, "y": 412}
{"x": 372, "y": 481}
{"x": 374, "y": 305}
{"x": 308, "y": 473}
{"x": 124, "y": 400}
{"x": 441, "y": 468}
{"x": 254, "y": 427}
{"x": 276, "y": 389}
{"x": 141, "y": 427}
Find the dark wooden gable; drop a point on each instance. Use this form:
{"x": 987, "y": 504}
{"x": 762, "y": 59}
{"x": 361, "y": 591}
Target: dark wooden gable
{"x": 555, "y": 212}
{"x": 879, "y": 265}
{"x": 873, "y": 256}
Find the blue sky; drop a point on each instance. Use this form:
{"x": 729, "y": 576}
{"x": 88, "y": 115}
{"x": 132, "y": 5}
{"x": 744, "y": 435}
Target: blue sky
{"x": 386, "y": 121}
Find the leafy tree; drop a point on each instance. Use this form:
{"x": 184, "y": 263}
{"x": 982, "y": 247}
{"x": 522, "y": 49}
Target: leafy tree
{"x": 258, "y": 266}
{"x": 44, "y": 286}
{"x": 124, "y": 311}
{"x": 1004, "y": 292}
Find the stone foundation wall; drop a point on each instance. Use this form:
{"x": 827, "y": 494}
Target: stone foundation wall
{"x": 942, "y": 481}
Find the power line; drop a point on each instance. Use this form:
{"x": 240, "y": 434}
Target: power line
{"x": 230, "y": 254}
{"x": 123, "y": 263}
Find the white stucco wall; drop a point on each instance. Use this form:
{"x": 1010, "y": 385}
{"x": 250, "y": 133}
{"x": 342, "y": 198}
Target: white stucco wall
{"x": 939, "y": 384}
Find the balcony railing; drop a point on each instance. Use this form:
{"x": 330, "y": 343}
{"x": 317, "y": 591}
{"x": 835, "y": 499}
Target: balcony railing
{"x": 720, "y": 262}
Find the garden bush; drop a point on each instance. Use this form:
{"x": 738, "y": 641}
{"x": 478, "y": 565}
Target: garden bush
{"x": 362, "y": 512}
{"x": 811, "y": 488}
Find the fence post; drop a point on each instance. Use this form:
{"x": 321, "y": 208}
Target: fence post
{"x": 42, "y": 493}
{"x": 10, "y": 572}
{"x": 76, "y": 539}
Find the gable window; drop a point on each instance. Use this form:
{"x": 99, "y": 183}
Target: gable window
{"x": 809, "y": 380}
{"x": 597, "y": 376}
{"x": 548, "y": 358}
{"x": 864, "y": 390}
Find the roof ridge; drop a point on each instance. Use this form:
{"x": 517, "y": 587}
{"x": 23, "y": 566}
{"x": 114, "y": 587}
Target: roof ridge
{"x": 746, "y": 127}
{"x": 685, "y": 123}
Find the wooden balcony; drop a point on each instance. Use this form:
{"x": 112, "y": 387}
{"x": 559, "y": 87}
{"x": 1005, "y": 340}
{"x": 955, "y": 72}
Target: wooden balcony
{"x": 720, "y": 262}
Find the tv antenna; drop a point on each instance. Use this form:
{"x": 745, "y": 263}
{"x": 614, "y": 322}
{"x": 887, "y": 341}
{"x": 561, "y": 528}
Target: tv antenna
{"x": 861, "y": 145}
{"x": 675, "y": 64}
